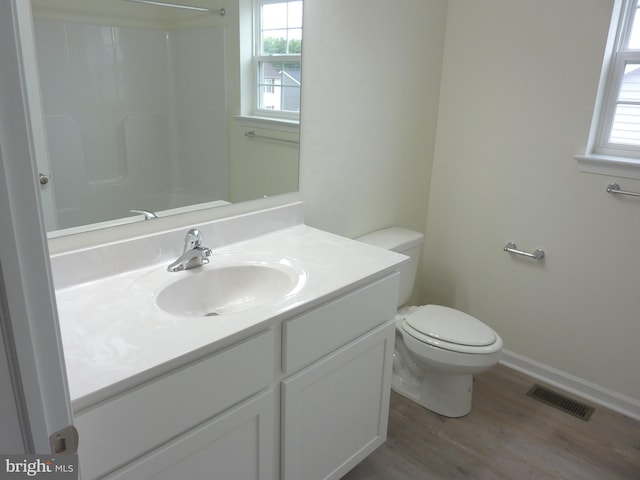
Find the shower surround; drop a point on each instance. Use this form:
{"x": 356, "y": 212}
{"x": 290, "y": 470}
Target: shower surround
{"x": 135, "y": 118}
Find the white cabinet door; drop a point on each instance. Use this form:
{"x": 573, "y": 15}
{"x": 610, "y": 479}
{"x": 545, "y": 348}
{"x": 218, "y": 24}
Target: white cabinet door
{"x": 236, "y": 445}
{"x": 335, "y": 411}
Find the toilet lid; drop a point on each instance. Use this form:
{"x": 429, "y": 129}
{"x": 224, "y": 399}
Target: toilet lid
{"x": 451, "y": 326}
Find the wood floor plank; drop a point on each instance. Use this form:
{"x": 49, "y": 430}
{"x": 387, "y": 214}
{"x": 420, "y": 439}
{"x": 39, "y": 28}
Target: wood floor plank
{"x": 507, "y": 435}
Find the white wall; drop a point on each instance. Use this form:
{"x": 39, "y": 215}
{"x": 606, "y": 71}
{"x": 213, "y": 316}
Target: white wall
{"x": 371, "y": 74}
{"x": 519, "y": 80}
{"x": 262, "y": 167}
{"x": 518, "y": 87}
{"x": 257, "y": 167}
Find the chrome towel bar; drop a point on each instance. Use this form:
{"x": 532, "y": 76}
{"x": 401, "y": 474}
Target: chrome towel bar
{"x": 513, "y": 248}
{"x": 253, "y": 134}
{"x": 615, "y": 189}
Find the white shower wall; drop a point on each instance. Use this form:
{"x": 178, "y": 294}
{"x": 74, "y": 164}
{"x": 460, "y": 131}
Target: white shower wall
{"x": 135, "y": 118}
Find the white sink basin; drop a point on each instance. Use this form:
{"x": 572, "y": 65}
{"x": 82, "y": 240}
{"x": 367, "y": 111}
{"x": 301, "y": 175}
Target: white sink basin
{"x": 213, "y": 292}
{"x": 228, "y": 284}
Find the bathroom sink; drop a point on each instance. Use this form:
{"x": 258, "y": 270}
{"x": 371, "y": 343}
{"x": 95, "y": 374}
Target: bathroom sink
{"x": 228, "y": 284}
{"x": 229, "y": 289}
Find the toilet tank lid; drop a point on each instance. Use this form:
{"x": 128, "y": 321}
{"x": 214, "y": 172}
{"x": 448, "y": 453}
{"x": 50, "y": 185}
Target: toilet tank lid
{"x": 397, "y": 239}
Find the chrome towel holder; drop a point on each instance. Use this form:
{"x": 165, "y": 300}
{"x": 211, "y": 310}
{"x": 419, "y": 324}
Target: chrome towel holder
{"x": 511, "y": 247}
{"x": 614, "y": 188}
{"x": 253, "y": 134}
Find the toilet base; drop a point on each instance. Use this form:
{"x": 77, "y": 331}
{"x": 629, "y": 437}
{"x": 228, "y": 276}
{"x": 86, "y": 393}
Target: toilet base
{"x": 448, "y": 394}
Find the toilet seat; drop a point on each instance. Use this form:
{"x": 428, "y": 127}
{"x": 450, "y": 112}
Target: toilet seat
{"x": 450, "y": 329}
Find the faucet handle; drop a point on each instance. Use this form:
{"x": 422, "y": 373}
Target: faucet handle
{"x": 193, "y": 239}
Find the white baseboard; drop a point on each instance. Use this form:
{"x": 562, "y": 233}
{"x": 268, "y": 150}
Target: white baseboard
{"x": 572, "y": 384}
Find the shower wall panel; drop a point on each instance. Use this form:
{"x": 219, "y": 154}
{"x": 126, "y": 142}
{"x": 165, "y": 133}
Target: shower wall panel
{"x": 118, "y": 136}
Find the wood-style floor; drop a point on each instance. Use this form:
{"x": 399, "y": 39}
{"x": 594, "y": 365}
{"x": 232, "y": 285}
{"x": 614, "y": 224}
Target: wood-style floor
{"x": 507, "y": 435}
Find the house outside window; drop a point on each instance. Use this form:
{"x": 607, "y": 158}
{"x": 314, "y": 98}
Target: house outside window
{"x": 277, "y": 58}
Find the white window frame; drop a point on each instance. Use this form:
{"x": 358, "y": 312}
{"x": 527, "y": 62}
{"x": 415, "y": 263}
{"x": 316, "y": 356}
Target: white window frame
{"x": 258, "y": 59}
{"x": 602, "y": 156}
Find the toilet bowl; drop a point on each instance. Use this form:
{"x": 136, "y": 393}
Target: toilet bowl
{"x": 437, "y": 349}
{"x": 435, "y": 369}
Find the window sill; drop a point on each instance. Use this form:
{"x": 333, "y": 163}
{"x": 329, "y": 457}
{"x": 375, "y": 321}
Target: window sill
{"x": 609, "y": 165}
{"x": 292, "y": 126}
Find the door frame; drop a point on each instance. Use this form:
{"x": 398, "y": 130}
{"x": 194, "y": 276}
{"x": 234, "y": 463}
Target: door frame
{"x": 30, "y": 327}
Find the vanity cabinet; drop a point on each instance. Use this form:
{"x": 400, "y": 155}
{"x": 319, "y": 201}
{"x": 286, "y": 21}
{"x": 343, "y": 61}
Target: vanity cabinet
{"x": 306, "y": 399}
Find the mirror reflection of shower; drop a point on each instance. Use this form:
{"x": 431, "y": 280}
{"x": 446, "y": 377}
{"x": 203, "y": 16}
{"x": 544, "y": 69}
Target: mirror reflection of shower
{"x": 135, "y": 115}
{"x": 146, "y": 107}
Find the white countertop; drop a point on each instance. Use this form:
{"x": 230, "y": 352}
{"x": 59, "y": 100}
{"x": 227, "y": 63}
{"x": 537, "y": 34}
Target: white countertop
{"x": 114, "y": 339}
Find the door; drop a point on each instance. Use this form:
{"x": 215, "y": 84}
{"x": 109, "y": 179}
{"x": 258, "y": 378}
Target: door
{"x": 29, "y": 324}
{"x": 335, "y": 412}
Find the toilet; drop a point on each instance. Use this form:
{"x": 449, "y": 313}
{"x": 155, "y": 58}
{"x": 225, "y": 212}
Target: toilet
{"x": 437, "y": 349}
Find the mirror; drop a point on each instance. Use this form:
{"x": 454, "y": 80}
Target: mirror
{"x": 143, "y": 113}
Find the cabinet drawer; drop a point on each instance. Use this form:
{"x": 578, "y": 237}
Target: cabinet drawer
{"x": 119, "y": 430}
{"x": 311, "y": 336}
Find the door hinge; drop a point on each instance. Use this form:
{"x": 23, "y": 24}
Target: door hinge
{"x": 65, "y": 440}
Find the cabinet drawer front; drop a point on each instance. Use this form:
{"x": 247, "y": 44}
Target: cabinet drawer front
{"x": 315, "y": 334}
{"x": 121, "y": 429}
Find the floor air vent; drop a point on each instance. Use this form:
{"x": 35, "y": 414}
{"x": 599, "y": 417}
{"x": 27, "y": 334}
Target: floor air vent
{"x": 567, "y": 405}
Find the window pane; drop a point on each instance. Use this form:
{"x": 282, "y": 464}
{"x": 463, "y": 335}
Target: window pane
{"x": 294, "y": 45}
{"x": 281, "y": 28}
{"x": 626, "y": 121}
{"x": 274, "y": 42}
{"x": 274, "y": 15}
{"x": 630, "y": 88}
{"x": 626, "y": 125}
{"x": 633, "y": 42}
{"x": 279, "y": 86}
{"x": 295, "y": 15}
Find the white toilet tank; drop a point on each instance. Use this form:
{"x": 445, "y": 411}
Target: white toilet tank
{"x": 400, "y": 240}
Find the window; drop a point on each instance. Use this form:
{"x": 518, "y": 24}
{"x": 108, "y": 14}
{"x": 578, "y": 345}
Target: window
{"x": 619, "y": 125}
{"x": 614, "y": 140}
{"x": 277, "y": 57}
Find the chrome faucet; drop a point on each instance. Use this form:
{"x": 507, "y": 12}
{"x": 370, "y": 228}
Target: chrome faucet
{"x": 148, "y": 215}
{"x": 194, "y": 254}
